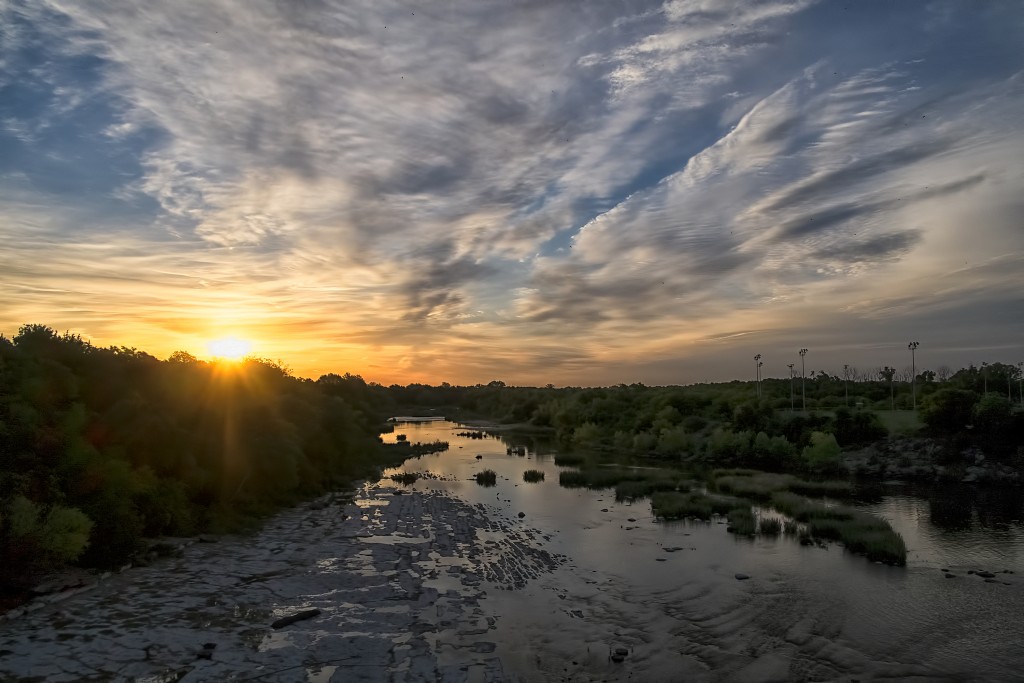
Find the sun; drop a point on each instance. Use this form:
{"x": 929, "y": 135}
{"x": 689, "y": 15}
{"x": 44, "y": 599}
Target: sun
{"x": 229, "y": 348}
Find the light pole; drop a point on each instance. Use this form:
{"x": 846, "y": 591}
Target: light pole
{"x": 791, "y": 403}
{"x": 846, "y": 383}
{"x": 757, "y": 375}
{"x": 913, "y": 371}
{"x": 803, "y": 379}
{"x": 984, "y": 374}
{"x": 1020, "y": 382}
{"x": 760, "y": 376}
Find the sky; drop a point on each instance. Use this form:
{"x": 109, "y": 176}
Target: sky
{"x": 576, "y": 193}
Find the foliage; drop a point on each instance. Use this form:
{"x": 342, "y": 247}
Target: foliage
{"x": 487, "y": 478}
{"x": 822, "y": 454}
{"x": 100, "y": 447}
{"x": 533, "y": 476}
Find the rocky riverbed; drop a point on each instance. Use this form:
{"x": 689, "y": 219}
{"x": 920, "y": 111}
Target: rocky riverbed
{"x": 389, "y": 588}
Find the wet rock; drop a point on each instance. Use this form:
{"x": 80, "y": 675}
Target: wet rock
{"x": 991, "y": 581}
{"x": 950, "y": 576}
{"x": 742, "y": 577}
{"x": 521, "y": 515}
{"x": 986, "y": 575}
{"x": 207, "y": 651}
{"x": 479, "y": 457}
{"x": 604, "y": 509}
{"x": 298, "y": 616}
{"x": 631, "y": 519}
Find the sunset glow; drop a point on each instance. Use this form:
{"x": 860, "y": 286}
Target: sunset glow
{"x": 494, "y": 192}
{"x": 229, "y": 348}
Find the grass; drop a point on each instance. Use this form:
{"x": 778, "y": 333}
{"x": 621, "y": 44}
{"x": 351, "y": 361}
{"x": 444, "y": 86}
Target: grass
{"x": 770, "y": 526}
{"x": 900, "y": 422}
{"x": 742, "y": 521}
{"x": 599, "y": 477}
{"x": 533, "y": 476}
{"x": 680, "y": 505}
{"x": 761, "y": 486}
{"x": 487, "y": 478}
{"x": 634, "y": 490}
{"x": 675, "y": 505}
{"x": 405, "y": 478}
{"x": 860, "y": 532}
{"x": 569, "y": 459}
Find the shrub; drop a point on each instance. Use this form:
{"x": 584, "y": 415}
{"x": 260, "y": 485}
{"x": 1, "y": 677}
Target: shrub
{"x": 770, "y": 526}
{"x": 533, "y": 476}
{"x": 405, "y": 478}
{"x": 487, "y": 478}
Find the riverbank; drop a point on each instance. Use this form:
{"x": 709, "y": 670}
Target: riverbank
{"x": 395, "y": 579}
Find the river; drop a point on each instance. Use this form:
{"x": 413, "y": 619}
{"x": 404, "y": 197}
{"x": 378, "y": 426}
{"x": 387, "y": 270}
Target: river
{"x": 449, "y": 580}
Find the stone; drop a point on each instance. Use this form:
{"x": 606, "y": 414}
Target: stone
{"x": 521, "y": 515}
{"x": 986, "y": 575}
{"x": 292, "y": 618}
{"x": 742, "y": 577}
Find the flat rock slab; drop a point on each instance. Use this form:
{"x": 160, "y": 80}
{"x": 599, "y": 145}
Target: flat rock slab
{"x": 382, "y": 588}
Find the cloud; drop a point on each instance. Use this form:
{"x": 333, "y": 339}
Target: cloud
{"x": 414, "y": 187}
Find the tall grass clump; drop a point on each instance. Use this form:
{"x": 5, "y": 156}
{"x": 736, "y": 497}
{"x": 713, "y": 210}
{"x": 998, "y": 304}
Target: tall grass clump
{"x": 770, "y": 526}
{"x": 860, "y": 532}
{"x": 742, "y": 521}
{"x": 533, "y": 476}
{"x": 634, "y": 490}
{"x": 599, "y": 477}
{"x": 405, "y": 478}
{"x": 569, "y": 459}
{"x": 487, "y": 478}
{"x": 675, "y": 505}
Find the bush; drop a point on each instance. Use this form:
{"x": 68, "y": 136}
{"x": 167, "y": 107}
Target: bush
{"x": 405, "y": 478}
{"x": 823, "y": 453}
{"x": 770, "y": 526}
{"x": 533, "y": 476}
{"x": 487, "y": 478}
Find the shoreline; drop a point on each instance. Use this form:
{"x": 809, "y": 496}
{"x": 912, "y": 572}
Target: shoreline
{"x": 397, "y": 577}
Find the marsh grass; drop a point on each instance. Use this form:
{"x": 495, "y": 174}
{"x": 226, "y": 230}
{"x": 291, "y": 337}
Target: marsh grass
{"x": 742, "y": 521}
{"x": 569, "y": 459}
{"x": 675, "y": 505}
{"x": 761, "y": 486}
{"x": 533, "y": 476}
{"x": 405, "y": 478}
{"x": 634, "y": 490}
{"x": 487, "y": 478}
{"x": 860, "y": 532}
{"x": 770, "y": 526}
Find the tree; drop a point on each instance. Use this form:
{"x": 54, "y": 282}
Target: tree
{"x": 823, "y": 452}
{"x": 949, "y": 411}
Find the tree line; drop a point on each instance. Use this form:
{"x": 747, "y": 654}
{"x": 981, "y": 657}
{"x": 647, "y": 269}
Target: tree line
{"x": 102, "y": 447}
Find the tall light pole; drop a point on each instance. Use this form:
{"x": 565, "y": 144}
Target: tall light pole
{"x": 791, "y": 403}
{"x": 757, "y": 375}
{"x": 846, "y": 383}
{"x": 803, "y": 378}
{"x": 1020, "y": 382}
{"x": 760, "y": 376}
{"x": 913, "y": 371}
{"x": 984, "y": 373}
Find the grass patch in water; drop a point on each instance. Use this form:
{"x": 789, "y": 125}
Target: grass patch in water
{"x": 533, "y": 476}
{"x": 634, "y": 490}
{"x": 761, "y": 486}
{"x": 770, "y": 526}
{"x": 861, "y": 533}
{"x": 569, "y": 459}
{"x": 675, "y": 505}
{"x": 742, "y": 521}
{"x": 405, "y": 478}
{"x": 487, "y": 478}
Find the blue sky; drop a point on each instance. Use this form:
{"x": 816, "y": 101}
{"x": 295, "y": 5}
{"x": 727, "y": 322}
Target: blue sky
{"x": 577, "y": 193}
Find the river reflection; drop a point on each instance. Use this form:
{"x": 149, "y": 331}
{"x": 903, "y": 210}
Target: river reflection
{"x": 670, "y": 588}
